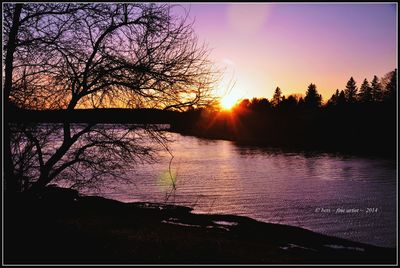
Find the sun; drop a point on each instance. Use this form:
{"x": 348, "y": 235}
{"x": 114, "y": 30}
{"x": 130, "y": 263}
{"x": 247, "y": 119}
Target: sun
{"x": 227, "y": 102}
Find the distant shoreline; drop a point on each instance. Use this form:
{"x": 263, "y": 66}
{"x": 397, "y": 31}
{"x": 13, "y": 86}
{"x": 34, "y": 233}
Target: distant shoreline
{"x": 63, "y": 227}
{"x": 154, "y": 116}
{"x": 292, "y": 148}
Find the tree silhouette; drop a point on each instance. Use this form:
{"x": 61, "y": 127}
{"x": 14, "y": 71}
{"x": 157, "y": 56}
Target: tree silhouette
{"x": 333, "y": 100}
{"x": 19, "y": 22}
{"x": 376, "y": 89}
{"x": 312, "y": 98}
{"x": 260, "y": 104}
{"x": 98, "y": 55}
{"x": 112, "y": 55}
{"x": 351, "y": 91}
{"x": 342, "y": 99}
{"x": 276, "y": 99}
{"x": 365, "y": 94}
{"x": 291, "y": 101}
{"x": 340, "y": 126}
{"x": 391, "y": 86}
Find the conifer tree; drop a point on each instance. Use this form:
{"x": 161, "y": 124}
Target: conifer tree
{"x": 333, "y": 100}
{"x": 276, "y": 99}
{"x": 312, "y": 98}
{"x": 351, "y": 91}
{"x": 341, "y": 100}
{"x": 376, "y": 89}
{"x": 365, "y": 94}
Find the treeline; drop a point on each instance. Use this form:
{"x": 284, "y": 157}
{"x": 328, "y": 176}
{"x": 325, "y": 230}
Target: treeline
{"x": 353, "y": 120}
{"x": 104, "y": 115}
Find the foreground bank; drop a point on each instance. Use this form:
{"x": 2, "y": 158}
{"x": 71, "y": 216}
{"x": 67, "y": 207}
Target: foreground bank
{"x": 62, "y": 227}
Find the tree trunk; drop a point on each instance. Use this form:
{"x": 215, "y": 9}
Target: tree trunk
{"x": 45, "y": 176}
{"x": 12, "y": 184}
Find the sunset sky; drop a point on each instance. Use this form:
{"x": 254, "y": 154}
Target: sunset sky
{"x": 262, "y": 46}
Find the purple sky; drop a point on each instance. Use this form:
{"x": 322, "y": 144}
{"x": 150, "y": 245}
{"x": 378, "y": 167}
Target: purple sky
{"x": 262, "y": 46}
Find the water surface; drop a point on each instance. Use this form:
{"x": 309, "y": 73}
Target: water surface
{"x": 345, "y": 196}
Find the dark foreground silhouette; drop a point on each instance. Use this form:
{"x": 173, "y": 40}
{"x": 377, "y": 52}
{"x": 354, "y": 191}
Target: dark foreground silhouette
{"x": 62, "y": 227}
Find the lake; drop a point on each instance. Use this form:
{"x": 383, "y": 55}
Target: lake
{"x": 350, "y": 197}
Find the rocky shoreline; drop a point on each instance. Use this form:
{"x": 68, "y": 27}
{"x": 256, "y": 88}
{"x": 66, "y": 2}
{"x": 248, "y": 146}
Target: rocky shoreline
{"x": 62, "y": 227}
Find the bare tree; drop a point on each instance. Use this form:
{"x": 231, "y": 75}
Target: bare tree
{"x": 18, "y": 22}
{"x": 99, "y": 154}
{"x": 98, "y": 55}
